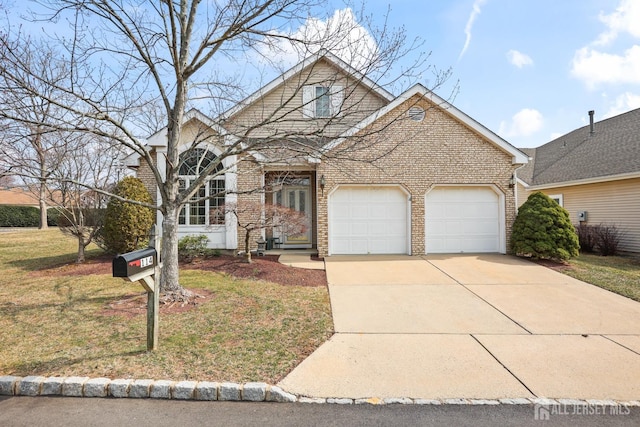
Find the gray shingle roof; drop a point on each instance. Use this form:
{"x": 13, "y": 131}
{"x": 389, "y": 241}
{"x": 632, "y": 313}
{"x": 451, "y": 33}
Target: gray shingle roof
{"x": 613, "y": 149}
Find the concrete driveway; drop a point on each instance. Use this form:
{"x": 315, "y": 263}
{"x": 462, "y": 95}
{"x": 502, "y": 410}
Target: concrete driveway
{"x": 470, "y": 326}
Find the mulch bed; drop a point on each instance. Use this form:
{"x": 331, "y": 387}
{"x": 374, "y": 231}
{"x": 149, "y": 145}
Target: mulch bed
{"x": 266, "y": 268}
{"x": 261, "y": 268}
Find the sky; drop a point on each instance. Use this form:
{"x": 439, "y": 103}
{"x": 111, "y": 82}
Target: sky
{"x": 530, "y": 70}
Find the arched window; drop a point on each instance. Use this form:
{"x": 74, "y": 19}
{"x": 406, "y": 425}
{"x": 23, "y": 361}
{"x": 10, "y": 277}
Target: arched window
{"x": 207, "y": 211}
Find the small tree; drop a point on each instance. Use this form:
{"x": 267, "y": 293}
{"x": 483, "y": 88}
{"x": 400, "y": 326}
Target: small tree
{"x": 257, "y": 217}
{"x": 543, "y": 229}
{"x": 127, "y": 224}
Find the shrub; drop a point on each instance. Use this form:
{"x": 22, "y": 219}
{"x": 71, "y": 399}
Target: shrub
{"x": 543, "y": 229}
{"x": 602, "y": 238}
{"x": 586, "y": 237}
{"x": 19, "y": 216}
{"x": 127, "y": 224}
{"x": 607, "y": 238}
{"x": 190, "y": 247}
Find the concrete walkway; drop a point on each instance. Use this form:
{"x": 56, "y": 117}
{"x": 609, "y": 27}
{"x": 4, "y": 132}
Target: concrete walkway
{"x": 470, "y": 326}
{"x": 300, "y": 261}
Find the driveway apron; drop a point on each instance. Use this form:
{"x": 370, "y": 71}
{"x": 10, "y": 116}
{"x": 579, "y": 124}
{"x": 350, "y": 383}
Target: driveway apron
{"x": 470, "y": 326}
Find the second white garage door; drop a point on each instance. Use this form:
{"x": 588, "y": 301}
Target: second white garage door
{"x": 462, "y": 219}
{"x": 368, "y": 220}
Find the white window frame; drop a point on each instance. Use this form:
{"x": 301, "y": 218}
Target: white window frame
{"x": 557, "y": 198}
{"x": 186, "y": 208}
{"x": 185, "y": 212}
{"x": 310, "y": 100}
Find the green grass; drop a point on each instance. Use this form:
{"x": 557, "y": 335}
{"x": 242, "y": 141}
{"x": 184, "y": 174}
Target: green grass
{"x": 619, "y": 274}
{"x": 52, "y": 322}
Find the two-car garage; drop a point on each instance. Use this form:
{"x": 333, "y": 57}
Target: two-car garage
{"x": 377, "y": 220}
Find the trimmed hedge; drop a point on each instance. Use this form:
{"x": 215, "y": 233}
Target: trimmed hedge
{"x": 25, "y": 216}
{"x": 19, "y": 216}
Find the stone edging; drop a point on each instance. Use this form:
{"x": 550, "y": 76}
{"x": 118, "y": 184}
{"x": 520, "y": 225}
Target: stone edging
{"x": 155, "y": 389}
{"x": 227, "y": 391}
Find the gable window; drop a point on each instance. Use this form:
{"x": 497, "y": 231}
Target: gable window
{"x": 321, "y": 101}
{"x": 203, "y": 207}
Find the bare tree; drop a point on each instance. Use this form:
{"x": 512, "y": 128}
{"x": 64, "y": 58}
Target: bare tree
{"x": 81, "y": 210}
{"x": 254, "y": 217}
{"x": 124, "y": 58}
{"x": 33, "y": 148}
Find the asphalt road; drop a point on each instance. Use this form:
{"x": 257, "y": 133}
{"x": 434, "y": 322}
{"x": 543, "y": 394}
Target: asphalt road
{"x": 66, "y": 411}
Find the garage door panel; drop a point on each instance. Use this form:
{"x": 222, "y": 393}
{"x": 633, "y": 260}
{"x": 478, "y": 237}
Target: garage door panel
{"x": 368, "y": 220}
{"x": 462, "y": 219}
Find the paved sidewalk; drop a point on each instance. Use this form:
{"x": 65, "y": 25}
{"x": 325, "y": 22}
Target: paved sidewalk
{"x": 470, "y": 326}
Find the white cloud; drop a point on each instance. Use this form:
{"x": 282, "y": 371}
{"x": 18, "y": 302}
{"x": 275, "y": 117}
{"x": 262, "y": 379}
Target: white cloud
{"x": 341, "y": 34}
{"x": 519, "y": 59}
{"x": 625, "y": 19}
{"x": 525, "y": 122}
{"x": 467, "y": 29}
{"x": 626, "y": 102}
{"x": 594, "y": 67}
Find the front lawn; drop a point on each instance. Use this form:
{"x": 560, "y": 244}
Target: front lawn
{"x": 619, "y": 274}
{"x": 56, "y": 322}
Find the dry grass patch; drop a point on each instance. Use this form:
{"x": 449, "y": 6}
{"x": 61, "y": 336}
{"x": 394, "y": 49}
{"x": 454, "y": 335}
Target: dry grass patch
{"x": 53, "y": 322}
{"x": 619, "y": 274}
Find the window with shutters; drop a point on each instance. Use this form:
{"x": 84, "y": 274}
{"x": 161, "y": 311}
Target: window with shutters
{"x": 321, "y": 101}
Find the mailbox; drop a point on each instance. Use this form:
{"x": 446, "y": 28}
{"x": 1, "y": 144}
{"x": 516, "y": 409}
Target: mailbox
{"x": 135, "y": 265}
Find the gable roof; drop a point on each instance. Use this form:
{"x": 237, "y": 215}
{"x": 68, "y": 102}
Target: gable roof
{"x": 281, "y": 79}
{"x": 612, "y": 151}
{"x": 518, "y": 157}
{"x": 159, "y": 139}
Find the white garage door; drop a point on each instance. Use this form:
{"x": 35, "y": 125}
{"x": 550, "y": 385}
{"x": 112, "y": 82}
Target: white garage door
{"x": 368, "y": 220}
{"x": 462, "y": 219}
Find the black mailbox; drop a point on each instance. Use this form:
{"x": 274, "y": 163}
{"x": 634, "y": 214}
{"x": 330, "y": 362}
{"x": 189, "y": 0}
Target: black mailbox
{"x": 134, "y": 264}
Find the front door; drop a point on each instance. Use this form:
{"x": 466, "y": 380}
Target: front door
{"x": 298, "y": 198}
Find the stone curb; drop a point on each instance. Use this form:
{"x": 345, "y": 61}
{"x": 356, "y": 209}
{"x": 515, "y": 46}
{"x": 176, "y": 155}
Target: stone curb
{"x": 227, "y": 391}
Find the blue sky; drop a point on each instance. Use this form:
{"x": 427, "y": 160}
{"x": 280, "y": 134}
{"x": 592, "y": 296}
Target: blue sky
{"x": 531, "y": 69}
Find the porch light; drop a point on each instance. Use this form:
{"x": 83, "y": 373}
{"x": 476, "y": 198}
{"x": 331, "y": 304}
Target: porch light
{"x": 323, "y": 182}
{"x": 512, "y": 181}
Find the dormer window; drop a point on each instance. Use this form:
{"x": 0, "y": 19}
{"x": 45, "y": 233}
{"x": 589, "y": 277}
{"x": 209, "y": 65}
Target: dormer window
{"x": 321, "y": 101}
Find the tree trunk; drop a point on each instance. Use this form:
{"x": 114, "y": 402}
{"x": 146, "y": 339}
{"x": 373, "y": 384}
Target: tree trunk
{"x": 170, "y": 275}
{"x": 81, "y": 246}
{"x": 247, "y": 249}
{"x": 42, "y": 201}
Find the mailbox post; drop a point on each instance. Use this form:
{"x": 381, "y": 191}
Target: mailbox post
{"x": 143, "y": 266}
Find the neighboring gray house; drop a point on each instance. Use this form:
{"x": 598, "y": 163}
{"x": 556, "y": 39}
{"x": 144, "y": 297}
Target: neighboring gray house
{"x": 593, "y": 172}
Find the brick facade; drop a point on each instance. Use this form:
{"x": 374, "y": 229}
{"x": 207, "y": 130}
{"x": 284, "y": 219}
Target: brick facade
{"x": 145, "y": 175}
{"x": 417, "y": 156}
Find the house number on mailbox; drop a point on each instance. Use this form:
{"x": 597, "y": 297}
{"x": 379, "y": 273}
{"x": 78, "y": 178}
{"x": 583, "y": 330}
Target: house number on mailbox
{"x": 142, "y": 262}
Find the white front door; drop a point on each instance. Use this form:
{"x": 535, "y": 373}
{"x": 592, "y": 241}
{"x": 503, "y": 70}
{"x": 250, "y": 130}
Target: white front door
{"x": 296, "y": 198}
